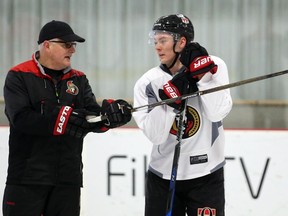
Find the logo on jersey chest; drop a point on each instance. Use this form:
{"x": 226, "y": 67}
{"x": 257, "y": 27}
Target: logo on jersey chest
{"x": 192, "y": 123}
{"x": 72, "y": 88}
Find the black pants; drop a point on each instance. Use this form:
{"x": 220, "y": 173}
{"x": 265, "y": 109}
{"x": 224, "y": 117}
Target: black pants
{"x": 41, "y": 200}
{"x": 196, "y": 197}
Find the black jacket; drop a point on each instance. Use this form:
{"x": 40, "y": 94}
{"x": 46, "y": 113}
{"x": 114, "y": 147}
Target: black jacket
{"x": 36, "y": 156}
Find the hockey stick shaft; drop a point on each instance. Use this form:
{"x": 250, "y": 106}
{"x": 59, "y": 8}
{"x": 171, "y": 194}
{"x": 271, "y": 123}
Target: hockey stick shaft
{"x": 207, "y": 91}
{"x": 177, "y": 150}
{"x": 198, "y": 93}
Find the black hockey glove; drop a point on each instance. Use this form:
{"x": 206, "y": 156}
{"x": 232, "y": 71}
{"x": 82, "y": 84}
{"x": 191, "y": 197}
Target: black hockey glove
{"x": 117, "y": 111}
{"x": 197, "y": 60}
{"x": 179, "y": 85}
{"x": 73, "y": 122}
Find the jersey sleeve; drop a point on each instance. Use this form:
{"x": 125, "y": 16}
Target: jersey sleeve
{"x": 216, "y": 105}
{"x": 156, "y": 122}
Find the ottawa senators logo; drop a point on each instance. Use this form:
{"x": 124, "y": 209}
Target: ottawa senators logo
{"x": 192, "y": 123}
{"x": 183, "y": 18}
{"x": 206, "y": 211}
{"x": 72, "y": 88}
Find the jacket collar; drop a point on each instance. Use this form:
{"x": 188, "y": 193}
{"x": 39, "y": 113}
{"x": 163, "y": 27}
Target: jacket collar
{"x": 35, "y": 58}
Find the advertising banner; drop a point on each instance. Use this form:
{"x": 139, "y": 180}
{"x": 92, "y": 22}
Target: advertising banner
{"x": 115, "y": 165}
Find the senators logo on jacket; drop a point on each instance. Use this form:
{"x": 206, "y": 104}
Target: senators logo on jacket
{"x": 72, "y": 88}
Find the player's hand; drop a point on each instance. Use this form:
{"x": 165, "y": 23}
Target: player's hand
{"x": 117, "y": 111}
{"x": 197, "y": 60}
{"x": 177, "y": 86}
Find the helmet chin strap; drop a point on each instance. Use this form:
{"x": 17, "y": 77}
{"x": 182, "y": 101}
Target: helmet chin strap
{"x": 176, "y": 56}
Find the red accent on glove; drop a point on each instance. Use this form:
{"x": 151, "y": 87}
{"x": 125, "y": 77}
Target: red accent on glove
{"x": 201, "y": 63}
{"x": 110, "y": 101}
{"x": 62, "y": 120}
{"x": 171, "y": 91}
{"x": 104, "y": 129}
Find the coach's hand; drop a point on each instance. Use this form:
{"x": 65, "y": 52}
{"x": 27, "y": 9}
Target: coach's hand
{"x": 73, "y": 122}
{"x": 118, "y": 112}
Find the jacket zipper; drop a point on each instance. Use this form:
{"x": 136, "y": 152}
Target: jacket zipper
{"x": 56, "y": 93}
{"x": 42, "y": 107}
{"x": 59, "y": 138}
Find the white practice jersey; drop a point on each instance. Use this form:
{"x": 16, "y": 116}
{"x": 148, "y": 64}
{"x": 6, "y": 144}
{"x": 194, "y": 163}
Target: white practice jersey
{"x": 202, "y": 146}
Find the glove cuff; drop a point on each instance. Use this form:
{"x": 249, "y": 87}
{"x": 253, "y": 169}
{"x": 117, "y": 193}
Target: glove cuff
{"x": 62, "y": 120}
{"x": 201, "y": 65}
{"x": 171, "y": 91}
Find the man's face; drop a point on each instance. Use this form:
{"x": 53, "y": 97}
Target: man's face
{"x": 60, "y": 53}
{"x": 164, "y": 43}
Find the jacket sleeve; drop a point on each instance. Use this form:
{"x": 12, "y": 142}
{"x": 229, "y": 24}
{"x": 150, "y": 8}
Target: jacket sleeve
{"x": 155, "y": 123}
{"x": 92, "y": 105}
{"x": 19, "y": 110}
{"x": 216, "y": 105}
{"x": 27, "y": 117}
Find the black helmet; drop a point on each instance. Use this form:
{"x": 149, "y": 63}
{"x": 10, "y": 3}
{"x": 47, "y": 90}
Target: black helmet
{"x": 175, "y": 23}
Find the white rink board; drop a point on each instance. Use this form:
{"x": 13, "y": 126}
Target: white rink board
{"x": 115, "y": 163}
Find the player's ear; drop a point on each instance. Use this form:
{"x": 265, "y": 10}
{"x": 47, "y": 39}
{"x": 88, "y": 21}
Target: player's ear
{"x": 182, "y": 43}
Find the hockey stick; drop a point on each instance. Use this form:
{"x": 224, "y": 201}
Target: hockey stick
{"x": 172, "y": 184}
{"x": 207, "y": 91}
{"x": 198, "y": 93}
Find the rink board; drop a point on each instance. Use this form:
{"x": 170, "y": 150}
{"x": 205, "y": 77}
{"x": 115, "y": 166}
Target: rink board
{"x": 115, "y": 164}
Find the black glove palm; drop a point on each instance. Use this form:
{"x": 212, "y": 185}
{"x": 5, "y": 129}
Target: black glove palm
{"x": 77, "y": 125}
{"x": 197, "y": 60}
{"x": 73, "y": 122}
{"x": 190, "y": 52}
{"x": 180, "y": 84}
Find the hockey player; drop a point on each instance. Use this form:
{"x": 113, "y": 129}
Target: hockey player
{"x": 47, "y": 103}
{"x": 185, "y": 68}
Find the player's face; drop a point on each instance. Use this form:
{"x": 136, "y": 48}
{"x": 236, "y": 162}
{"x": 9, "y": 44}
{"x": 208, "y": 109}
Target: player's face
{"x": 164, "y": 47}
{"x": 60, "y": 54}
